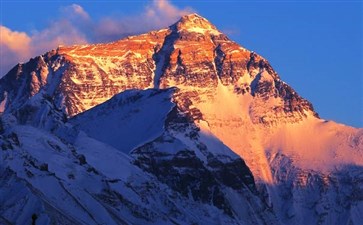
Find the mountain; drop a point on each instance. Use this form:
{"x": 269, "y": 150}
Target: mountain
{"x": 176, "y": 126}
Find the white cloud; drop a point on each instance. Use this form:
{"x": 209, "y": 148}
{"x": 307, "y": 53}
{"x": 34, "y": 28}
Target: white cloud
{"x": 15, "y": 41}
{"x": 77, "y": 11}
{"x": 75, "y": 26}
{"x": 14, "y": 47}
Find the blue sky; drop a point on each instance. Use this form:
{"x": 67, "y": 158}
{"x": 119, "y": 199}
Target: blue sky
{"x": 315, "y": 46}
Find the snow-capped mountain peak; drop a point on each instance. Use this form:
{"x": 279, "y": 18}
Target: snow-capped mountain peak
{"x": 195, "y": 23}
{"x": 175, "y": 126}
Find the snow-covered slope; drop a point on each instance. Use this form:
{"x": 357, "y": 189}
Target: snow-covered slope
{"x": 203, "y": 131}
{"x": 306, "y": 196}
{"x": 139, "y": 116}
{"x": 176, "y": 175}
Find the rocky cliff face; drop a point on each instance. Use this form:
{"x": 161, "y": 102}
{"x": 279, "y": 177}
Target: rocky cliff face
{"x": 191, "y": 54}
{"x": 208, "y": 125}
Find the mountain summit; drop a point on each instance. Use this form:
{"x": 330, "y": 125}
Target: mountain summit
{"x": 195, "y": 23}
{"x": 176, "y": 126}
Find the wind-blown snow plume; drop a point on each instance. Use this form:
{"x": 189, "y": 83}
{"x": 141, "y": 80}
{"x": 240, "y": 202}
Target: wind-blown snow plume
{"x": 76, "y": 26}
{"x": 159, "y": 14}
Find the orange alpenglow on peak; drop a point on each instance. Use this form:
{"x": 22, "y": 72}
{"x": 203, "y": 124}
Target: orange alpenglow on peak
{"x": 195, "y": 23}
